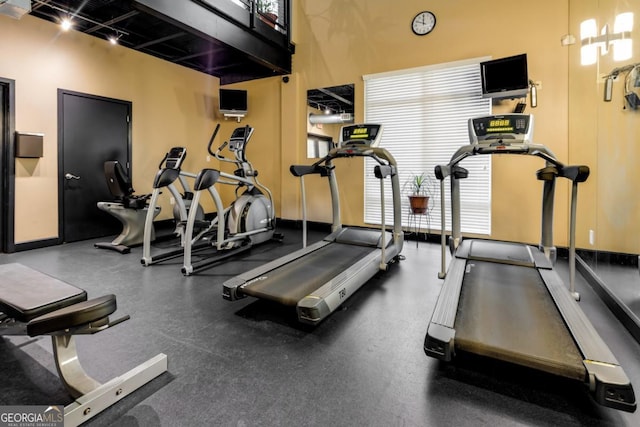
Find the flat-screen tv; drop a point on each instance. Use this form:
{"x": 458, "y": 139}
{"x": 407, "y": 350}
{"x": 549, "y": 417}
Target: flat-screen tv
{"x": 505, "y": 77}
{"x": 233, "y": 101}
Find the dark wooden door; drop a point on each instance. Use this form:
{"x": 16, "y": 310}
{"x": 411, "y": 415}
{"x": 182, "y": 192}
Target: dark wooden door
{"x": 3, "y": 174}
{"x": 92, "y": 131}
{"x": 7, "y": 165}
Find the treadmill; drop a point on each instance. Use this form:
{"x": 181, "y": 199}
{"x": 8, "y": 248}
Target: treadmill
{"x": 318, "y": 278}
{"x": 504, "y": 300}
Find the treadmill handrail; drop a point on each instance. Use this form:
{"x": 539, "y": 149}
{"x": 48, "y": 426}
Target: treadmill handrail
{"x": 577, "y": 173}
{"x": 325, "y": 167}
{"x": 465, "y": 151}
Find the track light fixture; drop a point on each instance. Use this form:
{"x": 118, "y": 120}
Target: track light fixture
{"x": 114, "y": 39}
{"x": 66, "y": 23}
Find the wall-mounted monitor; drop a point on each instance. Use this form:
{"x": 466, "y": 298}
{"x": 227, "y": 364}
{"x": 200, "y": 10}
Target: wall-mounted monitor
{"x": 233, "y": 102}
{"x": 505, "y": 77}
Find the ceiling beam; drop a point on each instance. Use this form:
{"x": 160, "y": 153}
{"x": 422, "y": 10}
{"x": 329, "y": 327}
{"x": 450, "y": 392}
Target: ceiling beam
{"x": 112, "y": 21}
{"x": 335, "y": 95}
{"x": 160, "y": 40}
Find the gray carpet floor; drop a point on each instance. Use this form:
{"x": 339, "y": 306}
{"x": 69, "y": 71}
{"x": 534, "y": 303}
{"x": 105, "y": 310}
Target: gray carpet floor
{"x": 250, "y": 363}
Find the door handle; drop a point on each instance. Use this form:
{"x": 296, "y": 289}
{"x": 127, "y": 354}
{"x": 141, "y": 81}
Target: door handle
{"x": 70, "y": 176}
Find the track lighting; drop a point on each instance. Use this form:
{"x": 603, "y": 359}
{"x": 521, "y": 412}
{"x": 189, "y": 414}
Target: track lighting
{"x": 66, "y": 24}
{"x": 114, "y": 39}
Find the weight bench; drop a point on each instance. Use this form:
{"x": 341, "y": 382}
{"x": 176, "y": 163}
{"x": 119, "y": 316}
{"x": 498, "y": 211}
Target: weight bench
{"x": 34, "y": 304}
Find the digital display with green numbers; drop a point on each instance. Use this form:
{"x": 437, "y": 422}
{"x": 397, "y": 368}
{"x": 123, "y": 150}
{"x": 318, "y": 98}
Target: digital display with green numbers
{"x": 367, "y": 134}
{"x": 516, "y": 126}
{"x": 500, "y": 125}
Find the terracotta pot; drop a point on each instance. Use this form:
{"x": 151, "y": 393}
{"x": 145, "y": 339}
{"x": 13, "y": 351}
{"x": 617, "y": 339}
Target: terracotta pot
{"x": 419, "y": 204}
{"x": 269, "y": 19}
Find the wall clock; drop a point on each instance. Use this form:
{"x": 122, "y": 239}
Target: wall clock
{"x": 423, "y": 23}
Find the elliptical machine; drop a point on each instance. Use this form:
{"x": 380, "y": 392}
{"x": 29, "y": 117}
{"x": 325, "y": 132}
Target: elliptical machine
{"x": 249, "y": 220}
{"x": 170, "y": 171}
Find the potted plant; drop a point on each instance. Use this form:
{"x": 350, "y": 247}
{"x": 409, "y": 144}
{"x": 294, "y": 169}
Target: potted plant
{"x": 268, "y": 11}
{"x": 419, "y": 187}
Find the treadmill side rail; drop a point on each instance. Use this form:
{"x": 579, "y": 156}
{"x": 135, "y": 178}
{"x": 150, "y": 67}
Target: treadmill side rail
{"x": 607, "y": 380}
{"x": 313, "y": 308}
{"x": 610, "y": 386}
{"x": 585, "y": 335}
{"x": 447, "y": 304}
{"x": 439, "y": 342}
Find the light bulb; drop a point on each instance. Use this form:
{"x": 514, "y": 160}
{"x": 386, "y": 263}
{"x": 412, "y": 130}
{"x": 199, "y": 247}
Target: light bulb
{"x": 588, "y": 54}
{"x": 623, "y": 22}
{"x": 66, "y": 24}
{"x": 622, "y": 50}
{"x": 588, "y": 29}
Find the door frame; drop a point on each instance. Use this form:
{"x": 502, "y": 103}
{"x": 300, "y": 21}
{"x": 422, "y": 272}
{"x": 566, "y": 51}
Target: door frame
{"x": 7, "y": 164}
{"x": 61, "y": 179}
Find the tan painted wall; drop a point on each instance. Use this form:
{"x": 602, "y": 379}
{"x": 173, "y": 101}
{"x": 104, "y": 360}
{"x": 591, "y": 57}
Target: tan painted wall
{"x": 355, "y": 38}
{"x": 172, "y": 106}
{"x": 336, "y": 43}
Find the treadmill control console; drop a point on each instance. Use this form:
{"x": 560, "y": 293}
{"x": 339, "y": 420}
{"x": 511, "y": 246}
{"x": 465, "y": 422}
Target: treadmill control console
{"x": 501, "y": 130}
{"x": 361, "y": 134}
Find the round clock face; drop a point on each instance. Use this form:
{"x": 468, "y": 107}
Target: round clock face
{"x": 423, "y": 23}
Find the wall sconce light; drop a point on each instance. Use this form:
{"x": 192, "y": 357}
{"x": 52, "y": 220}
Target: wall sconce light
{"x": 619, "y": 39}
{"x": 623, "y": 47}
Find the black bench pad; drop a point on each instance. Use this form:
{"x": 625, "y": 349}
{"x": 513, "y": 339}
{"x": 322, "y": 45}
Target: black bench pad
{"x": 72, "y": 316}
{"x": 26, "y": 293}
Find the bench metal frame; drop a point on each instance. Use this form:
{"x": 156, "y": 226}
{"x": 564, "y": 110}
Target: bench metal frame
{"x": 91, "y": 396}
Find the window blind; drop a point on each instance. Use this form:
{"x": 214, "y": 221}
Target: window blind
{"x": 425, "y": 113}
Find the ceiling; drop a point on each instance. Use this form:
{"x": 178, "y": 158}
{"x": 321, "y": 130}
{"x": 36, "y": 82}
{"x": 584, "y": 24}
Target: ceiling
{"x": 233, "y": 54}
{"x": 339, "y": 99}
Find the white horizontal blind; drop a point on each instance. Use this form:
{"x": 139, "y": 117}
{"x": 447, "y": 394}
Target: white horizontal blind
{"x": 425, "y": 113}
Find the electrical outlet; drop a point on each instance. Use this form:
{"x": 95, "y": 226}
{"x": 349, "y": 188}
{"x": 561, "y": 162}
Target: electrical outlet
{"x": 172, "y": 201}
{"x": 592, "y": 237}
{"x": 208, "y": 158}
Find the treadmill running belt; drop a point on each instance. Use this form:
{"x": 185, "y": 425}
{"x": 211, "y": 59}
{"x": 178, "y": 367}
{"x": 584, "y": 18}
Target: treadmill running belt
{"x": 505, "y": 312}
{"x": 291, "y": 282}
